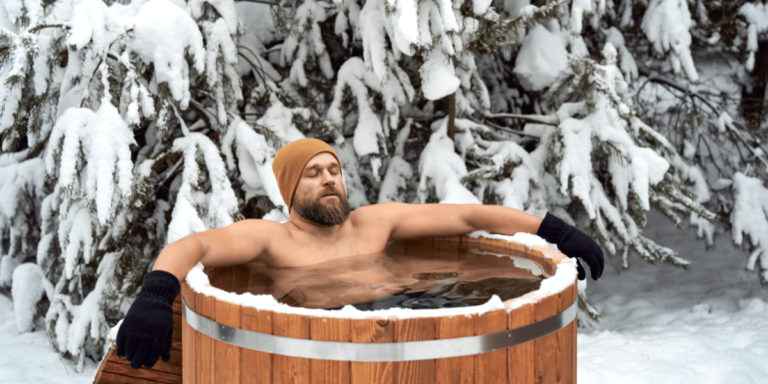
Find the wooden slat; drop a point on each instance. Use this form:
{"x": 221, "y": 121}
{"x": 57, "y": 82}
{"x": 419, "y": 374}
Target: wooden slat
{"x": 139, "y": 375}
{"x": 329, "y": 329}
{"x": 372, "y": 331}
{"x": 520, "y": 357}
{"x": 188, "y": 335}
{"x": 418, "y": 371}
{"x": 287, "y": 369}
{"x": 174, "y": 364}
{"x": 227, "y": 356}
{"x": 256, "y": 365}
{"x": 117, "y": 370}
{"x": 491, "y": 367}
{"x": 546, "y": 349}
{"x": 204, "y": 364}
{"x": 455, "y": 370}
{"x": 115, "y": 378}
{"x": 177, "y": 325}
{"x": 241, "y": 277}
{"x": 568, "y": 341}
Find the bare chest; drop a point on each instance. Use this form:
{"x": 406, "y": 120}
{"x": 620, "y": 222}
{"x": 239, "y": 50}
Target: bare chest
{"x": 294, "y": 249}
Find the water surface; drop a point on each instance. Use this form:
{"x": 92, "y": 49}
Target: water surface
{"x": 409, "y": 277}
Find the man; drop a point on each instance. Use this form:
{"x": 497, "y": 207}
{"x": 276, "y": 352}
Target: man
{"x": 321, "y": 228}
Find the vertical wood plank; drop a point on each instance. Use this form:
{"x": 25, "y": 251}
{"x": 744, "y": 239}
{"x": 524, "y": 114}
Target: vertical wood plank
{"x": 188, "y": 339}
{"x": 372, "y": 331}
{"x": 568, "y": 355}
{"x": 329, "y": 371}
{"x": 204, "y": 306}
{"x": 520, "y": 357}
{"x": 227, "y": 356}
{"x": 256, "y": 365}
{"x": 491, "y": 367}
{"x": 241, "y": 276}
{"x": 418, "y": 371}
{"x": 288, "y": 369}
{"x": 546, "y": 349}
{"x": 455, "y": 370}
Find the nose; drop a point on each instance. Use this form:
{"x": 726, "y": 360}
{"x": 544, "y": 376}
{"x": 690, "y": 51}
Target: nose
{"x": 328, "y": 178}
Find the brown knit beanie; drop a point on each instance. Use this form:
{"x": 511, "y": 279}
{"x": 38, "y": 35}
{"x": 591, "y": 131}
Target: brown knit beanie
{"x": 290, "y": 161}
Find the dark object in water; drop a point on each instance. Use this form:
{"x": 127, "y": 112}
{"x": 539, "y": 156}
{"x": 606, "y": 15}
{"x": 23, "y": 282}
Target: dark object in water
{"x": 454, "y": 294}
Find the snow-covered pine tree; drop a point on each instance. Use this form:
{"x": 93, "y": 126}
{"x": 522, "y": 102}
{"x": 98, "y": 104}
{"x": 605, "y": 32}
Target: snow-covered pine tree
{"x": 690, "y": 68}
{"x": 127, "y": 126}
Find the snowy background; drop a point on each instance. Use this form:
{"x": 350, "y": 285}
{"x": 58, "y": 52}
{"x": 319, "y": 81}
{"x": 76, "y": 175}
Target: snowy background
{"x": 126, "y": 125}
{"x": 662, "y": 325}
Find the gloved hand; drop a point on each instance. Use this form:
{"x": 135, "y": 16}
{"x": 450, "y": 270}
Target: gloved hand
{"x": 147, "y": 329}
{"x": 573, "y": 243}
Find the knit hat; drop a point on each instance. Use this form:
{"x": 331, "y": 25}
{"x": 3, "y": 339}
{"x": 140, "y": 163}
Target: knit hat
{"x": 290, "y": 161}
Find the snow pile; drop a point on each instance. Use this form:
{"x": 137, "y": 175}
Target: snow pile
{"x": 29, "y": 285}
{"x": 757, "y": 17}
{"x": 666, "y": 24}
{"x": 541, "y": 59}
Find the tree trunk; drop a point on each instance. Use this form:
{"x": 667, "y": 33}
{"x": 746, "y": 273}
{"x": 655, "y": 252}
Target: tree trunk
{"x": 451, "y": 114}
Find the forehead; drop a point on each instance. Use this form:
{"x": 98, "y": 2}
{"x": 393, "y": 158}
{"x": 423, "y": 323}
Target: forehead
{"x": 323, "y": 160}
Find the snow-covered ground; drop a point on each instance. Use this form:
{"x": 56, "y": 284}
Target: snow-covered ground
{"x": 662, "y": 324}
{"x": 29, "y": 357}
{"x": 666, "y": 325}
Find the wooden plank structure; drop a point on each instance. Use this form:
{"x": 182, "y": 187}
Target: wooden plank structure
{"x": 114, "y": 370}
{"x": 547, "y": 360}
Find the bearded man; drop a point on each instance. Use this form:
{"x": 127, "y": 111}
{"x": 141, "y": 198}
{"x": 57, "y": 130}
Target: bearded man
{"x": 321, "y": 228}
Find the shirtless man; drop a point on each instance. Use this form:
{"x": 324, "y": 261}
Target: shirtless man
{"x": 321, "y": 228}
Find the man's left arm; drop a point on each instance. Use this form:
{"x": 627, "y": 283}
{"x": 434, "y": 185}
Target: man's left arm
{"x": 500, "y": 219}
{"x": 424, "y": 220}
{"x": 570, "y": 241}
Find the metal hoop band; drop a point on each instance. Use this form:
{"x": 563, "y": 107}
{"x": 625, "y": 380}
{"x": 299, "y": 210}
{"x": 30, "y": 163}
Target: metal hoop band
{"x": 378, "y": 352}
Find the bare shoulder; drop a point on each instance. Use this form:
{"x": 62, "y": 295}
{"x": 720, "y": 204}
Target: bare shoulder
{"x": 377, "y": 214}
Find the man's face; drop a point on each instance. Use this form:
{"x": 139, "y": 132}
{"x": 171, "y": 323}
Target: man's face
{"x": 319, "y": 196}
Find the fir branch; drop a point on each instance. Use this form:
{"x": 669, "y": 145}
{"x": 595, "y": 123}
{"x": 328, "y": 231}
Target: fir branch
{"x": 538, "y": 119}
{"x": 39, "y": 27}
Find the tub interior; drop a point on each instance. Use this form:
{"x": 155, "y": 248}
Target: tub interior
{"x": 418, "y": 276}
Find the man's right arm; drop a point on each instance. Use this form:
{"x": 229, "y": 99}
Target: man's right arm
{"x": 237, "y": 243}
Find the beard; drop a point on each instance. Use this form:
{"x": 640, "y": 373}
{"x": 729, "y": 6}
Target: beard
{"x": 323, "y": 214}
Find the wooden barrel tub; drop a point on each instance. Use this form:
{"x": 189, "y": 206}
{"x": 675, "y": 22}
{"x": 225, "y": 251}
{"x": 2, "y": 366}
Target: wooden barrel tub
{"x": 532, "y": 359}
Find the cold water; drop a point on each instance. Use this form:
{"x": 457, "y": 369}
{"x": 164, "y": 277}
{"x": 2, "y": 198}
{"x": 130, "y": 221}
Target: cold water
{"x": 391, "y": 278}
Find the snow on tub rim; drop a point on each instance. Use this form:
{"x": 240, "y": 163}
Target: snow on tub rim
{"x": 254, "y": 338}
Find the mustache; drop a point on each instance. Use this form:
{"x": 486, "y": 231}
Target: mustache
{"x": 330, "y": 192}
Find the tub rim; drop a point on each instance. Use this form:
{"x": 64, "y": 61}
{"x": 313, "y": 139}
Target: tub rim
{"x": 564, "y": 277}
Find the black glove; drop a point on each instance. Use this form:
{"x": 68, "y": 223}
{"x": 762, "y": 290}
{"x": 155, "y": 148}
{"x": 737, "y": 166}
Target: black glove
{"x": 573, "y": 243}
{"x": 147, "y": 329}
